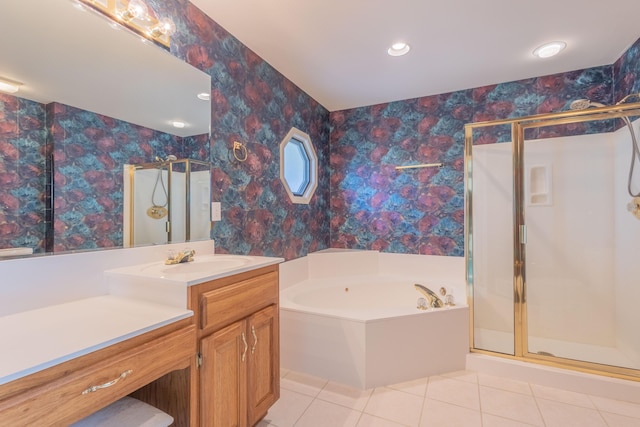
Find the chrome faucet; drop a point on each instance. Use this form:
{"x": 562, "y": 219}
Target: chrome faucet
{"x": 185, "y": 255}
{"x": 433, "y": 300}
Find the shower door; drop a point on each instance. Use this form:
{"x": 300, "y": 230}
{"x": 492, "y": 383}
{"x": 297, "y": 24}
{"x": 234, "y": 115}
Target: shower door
{"x": 551, "y": 248}
{"x": 571, "y": 199}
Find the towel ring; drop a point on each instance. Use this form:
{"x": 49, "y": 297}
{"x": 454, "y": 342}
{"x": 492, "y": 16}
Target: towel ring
{"x": 240, "y": 151}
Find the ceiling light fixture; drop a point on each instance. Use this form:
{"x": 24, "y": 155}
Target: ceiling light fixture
{"x": 204, "y": 96}
{"x": 9, "y": 86}
{"x": 549, "y": 49}
{"x": 178, "y": 124}
{"x": 398, "y": 49}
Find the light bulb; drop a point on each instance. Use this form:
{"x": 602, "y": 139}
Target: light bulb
{"x": 165, "y": 27}
{"x": 135, "y": 9}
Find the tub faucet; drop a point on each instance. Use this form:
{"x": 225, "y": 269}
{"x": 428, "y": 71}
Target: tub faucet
{"x": 433, "y": 300}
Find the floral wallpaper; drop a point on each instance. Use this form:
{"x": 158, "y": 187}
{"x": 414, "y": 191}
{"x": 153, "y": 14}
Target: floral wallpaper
{"x": 22, "y": 173}
{"x": 374, "y": 206}
{"x": 361, "y": 200}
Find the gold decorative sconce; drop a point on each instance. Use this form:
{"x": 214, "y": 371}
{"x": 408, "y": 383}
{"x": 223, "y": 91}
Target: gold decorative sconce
{"x": 134, "y": 15}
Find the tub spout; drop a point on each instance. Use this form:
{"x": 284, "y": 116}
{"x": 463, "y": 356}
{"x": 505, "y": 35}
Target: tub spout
{"x": 433, "y": 300}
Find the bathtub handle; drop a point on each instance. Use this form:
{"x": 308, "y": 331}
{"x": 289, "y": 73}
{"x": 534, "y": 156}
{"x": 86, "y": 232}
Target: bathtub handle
{"x": 255, "y": 339}
{"x": 244, "y": 352}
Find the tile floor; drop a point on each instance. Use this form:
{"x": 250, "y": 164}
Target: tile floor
{"x": 465, "y": 398}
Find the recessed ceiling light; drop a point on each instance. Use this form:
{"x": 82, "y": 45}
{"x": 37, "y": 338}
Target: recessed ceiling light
{"x": 178, "y": 124}
{"x": 549, "y": 49}
{"x": 204, "y": 96}
{"x": 9, "y": 86}
{"x": 398, "y": 49}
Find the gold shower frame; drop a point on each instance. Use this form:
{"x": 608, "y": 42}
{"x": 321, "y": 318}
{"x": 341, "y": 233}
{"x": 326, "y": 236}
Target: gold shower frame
{"x": 518, "y": 128}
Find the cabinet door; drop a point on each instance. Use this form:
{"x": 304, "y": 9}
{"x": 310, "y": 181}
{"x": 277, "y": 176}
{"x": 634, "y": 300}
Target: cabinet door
{"x": 223, "y": 377}
{"x": 264, "y": 362}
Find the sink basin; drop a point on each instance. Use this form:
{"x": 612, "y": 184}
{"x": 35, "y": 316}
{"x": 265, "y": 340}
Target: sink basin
{"x": 201, "y": 266}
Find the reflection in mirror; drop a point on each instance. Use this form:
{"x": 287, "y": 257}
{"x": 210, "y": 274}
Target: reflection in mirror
{"x": 167, "y": 201}
{"x": 91, "y": 99}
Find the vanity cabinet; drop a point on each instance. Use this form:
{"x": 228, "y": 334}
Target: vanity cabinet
{"x": 72, "y": 390}
{"x": 238, "y": 334}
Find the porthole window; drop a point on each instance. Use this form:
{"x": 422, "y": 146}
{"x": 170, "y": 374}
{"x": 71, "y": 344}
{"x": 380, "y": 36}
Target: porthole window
{"x": 298, "y": 166}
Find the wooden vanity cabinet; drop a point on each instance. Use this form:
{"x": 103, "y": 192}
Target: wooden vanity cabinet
{"x": 72, "y": 390}
{"x": 239, "y": 353}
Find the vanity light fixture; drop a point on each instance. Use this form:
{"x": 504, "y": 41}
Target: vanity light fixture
{"x": 136, "y": 16}
{"x": 399, "y": 49}
{"x": 204, "y": 96}
{"x": 9, "y": 86}
{"x": 548, "y": 50}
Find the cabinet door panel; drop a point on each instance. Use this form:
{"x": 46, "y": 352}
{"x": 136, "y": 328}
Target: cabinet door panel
{"x": 264, "y": 362}
{"x": 223, "y": 378}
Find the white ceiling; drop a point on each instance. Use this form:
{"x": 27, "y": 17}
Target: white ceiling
{"x": 335, "y": 50}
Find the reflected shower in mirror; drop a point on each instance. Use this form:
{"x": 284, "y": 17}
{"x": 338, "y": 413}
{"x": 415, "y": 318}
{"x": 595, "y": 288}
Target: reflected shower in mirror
{"x": 91, "y": 99}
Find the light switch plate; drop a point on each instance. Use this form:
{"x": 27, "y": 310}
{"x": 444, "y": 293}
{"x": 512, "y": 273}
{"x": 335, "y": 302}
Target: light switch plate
{"x": 216, "y": 211}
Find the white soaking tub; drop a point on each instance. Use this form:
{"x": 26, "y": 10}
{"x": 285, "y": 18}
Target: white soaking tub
{"x": 365, "y": 330}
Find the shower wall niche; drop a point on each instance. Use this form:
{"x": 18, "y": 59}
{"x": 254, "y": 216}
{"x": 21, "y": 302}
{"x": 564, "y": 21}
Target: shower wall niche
{"x": 167, "y": 202}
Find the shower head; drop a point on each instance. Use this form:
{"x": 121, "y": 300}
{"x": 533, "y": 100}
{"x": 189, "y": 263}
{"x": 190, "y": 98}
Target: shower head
{"x": 583, "y": 104}
{"x": 170, "y": 158}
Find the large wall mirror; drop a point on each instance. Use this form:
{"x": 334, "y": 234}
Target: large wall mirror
{"x": 93, "y": 98}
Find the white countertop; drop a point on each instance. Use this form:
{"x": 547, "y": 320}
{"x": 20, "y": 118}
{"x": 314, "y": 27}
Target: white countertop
{"x": 38, "y": 339}
{"x": 202, "y": 269}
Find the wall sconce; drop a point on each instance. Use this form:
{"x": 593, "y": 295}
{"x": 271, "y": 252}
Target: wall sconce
{"x": 9, "y": 86}
{"x": 134, "y": 15}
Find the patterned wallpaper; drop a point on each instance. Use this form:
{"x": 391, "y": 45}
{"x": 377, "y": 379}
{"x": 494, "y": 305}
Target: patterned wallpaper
{"x": 361, "y": 201}
{"x": 373, "y": 206}
{"x": 22, "y": 173}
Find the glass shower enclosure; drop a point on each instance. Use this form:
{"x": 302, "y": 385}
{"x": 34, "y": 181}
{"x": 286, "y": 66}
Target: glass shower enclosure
{"x": 167, "y": 202}
{"x": 552, "y": 231}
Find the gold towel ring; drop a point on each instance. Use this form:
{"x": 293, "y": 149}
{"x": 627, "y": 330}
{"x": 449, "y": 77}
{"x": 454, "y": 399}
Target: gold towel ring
{"x": 240, "y": 151}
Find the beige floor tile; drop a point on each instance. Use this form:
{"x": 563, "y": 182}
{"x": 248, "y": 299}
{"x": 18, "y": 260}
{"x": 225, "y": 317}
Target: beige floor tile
{"x": 417, "y": 387}
{"x": 507, "y": 404}
{"x": 558, "y": 395}
{"x": 489, "y": 420}
{"x": 394, "y": 405}
{"x": 324, "y": 414}
{"x": 441, "y": 414}
{"x": 461, "y": 393}
{"x": 616, "y": 406}
{"x": 303, "y": 383}
{"x": 558, "y": 414}
{"x": 367, "y": 420}
{"x": 615, "y": 420}
{"x": 288, "y": 409}
{"x": 468, "y": 376}
{"x": 345, "y": 395}
{"x": 504, "y": 384}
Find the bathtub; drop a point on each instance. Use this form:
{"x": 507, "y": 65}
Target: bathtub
{"x": 361, "y": 326}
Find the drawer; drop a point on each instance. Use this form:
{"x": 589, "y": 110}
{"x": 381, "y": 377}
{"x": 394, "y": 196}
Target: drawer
{"x": 224, "y": 305}
{"x": 75, "y": 396}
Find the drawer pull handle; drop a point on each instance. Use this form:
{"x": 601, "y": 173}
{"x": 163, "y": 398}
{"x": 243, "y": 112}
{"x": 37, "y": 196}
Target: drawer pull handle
{"x": 255, "y": 339}
{"x": 107, "y": 384}
{"x": 244, "y": 341}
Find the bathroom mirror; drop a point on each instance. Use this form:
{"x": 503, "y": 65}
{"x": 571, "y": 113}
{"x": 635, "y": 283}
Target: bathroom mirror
{"x": 72, "y": 62}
